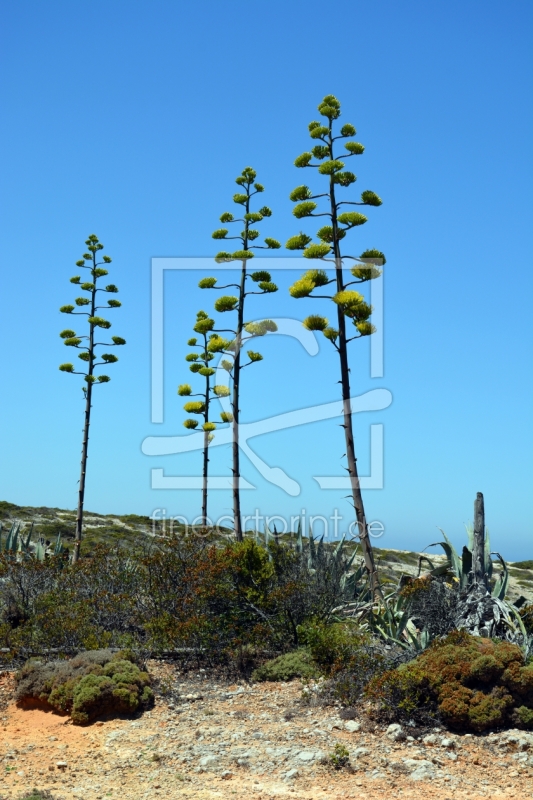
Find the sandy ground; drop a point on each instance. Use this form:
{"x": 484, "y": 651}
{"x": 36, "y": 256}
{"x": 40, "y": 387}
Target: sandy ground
{"x": 220, "y": 741}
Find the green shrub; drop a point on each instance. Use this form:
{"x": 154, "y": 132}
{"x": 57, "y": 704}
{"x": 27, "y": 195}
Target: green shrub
{"x": 90, "y": 685}
{"x": 340, "y": 757}
{"x": 218, "y": 600}
{"x": 471, "y": 683}
{"x": 349, "y": 657}
{"x": 297, "y": 664}
{"x": 332, "y": 646}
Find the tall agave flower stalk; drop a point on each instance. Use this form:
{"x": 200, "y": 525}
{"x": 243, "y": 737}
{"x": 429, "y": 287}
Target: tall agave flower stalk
{"x": 262, "y": 284}
{"x": 87, "y": 345}
{"x": 200, "y": 364}
{"x": 350, "y": 305}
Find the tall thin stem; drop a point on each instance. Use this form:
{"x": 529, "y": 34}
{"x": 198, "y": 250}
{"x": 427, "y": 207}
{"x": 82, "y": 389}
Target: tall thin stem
{"x": 355, "y": 485}
{"x": 235, "y": 406}
{"x": 87, "y": 422}
{"x": 206, "y": 438}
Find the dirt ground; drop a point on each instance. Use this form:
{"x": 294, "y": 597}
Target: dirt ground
{"x": 207, "y": 739}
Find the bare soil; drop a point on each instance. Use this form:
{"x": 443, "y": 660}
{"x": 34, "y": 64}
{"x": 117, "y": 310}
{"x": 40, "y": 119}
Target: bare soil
{"x": 208, "y": 739}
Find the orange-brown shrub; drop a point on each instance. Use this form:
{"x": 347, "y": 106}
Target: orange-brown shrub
{"x": 473, "y": 683}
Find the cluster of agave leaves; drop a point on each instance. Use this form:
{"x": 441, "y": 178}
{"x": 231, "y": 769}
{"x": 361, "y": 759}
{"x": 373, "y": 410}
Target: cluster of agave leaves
{"x": 388, "y": 616}
{"x": 391, "y": 618}
{"x": 352, "y": 577}
{"x": 20, "y": 546}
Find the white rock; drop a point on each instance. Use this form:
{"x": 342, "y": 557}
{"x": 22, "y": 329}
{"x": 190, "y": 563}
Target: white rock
{"x": 292, "y": 773}
{"x": 209, "y": 762}
{"x": 306, "y": 755}
{"x": 394, "y": 728}
{"x": 396, "y": 732}
{"x": 430, "y": 739}
{"x": 417, "y": 763}
{"x": 422, "y": 774}
{"x": 352, "y": 726}
{"x": 448, "y": 743}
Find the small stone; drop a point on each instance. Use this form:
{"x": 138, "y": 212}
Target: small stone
{"x": 306, "y": 755}
{"x": 61, "y": 764}
{"x": 422, "y": 774}
{"x": 209, "y": 762}
{"x": 396, "y": 732}
{"x": 292, "y": 773}
{"x": 394, "y": 728}
{"x": 448, "y": 743}
{"x": 430, "y": 739}
{"x": 352, "y": 726}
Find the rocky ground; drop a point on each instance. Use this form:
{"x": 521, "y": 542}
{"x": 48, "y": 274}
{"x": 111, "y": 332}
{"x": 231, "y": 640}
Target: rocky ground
{"x": 207, "y": 739}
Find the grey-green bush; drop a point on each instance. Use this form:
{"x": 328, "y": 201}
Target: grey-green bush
{"x": 88, "y": 686}
{"x": 296, "y": 664}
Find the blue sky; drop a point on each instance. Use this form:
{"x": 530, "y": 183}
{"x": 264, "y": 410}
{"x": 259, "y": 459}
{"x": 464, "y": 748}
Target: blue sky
{"x": 133, "y": 120}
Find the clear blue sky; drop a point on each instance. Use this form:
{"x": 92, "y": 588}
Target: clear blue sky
{"x": 131, "y": 120}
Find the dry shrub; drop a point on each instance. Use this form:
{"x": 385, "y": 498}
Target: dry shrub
{"x": 471, "y": 683}
{"x": 90, "y": 685}
{"x": 296, "y": 664}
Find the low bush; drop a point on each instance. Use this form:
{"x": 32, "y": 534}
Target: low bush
{"x": 221, "y": 602}
{"x": 340, "y": 757}
{"x": 349, "y": 657}
{"x": 296, "y": 664}
{"x": 432, "y": 604}
{"x": 90, "y": 685}
{"x": 471, "y": 683}
{"x": 333, "y": 645}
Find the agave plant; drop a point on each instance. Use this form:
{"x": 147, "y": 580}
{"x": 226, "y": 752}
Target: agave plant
{"x": 15, "y": 541}
{"x": 482, "y": 609}
{"x": 390, "y": 619}
{"x": 19, "y": 545}
{"x": 351, "y": 576}
{"x": 461, "y": 566}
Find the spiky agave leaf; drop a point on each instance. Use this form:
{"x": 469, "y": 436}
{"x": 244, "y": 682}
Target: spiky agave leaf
{"x": 456, "y": 563}
{"x": 500, "y": 587}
